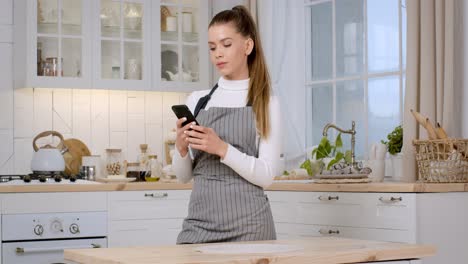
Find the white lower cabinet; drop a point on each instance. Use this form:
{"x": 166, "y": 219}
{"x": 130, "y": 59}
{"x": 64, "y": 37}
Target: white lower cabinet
{"x": 141, "y": 218}
{"x": 437, "y": 219}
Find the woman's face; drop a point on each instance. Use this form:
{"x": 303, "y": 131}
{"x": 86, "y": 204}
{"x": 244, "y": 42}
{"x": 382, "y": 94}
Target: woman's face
{"x": 229, "y": 51}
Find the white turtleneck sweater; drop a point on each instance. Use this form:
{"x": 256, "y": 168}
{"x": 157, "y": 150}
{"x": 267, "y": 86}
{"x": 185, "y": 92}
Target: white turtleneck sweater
{"x": 259, "y": 171}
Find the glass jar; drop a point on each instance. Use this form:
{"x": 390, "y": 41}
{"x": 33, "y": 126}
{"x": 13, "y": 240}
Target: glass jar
{"x": 156, "y": 169}
{"x": 134, "y": 171}
{"x": 114, "y": 161}
{"x": 51, "y": 67}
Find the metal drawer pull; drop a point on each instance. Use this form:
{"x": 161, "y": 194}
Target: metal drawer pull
{"x": 329, "y": 232}
{"x": 21, "y": 250}
{"x": 391, "y": 200}
{"x": 329, "y": 198}
{"x": 156, "y": 195}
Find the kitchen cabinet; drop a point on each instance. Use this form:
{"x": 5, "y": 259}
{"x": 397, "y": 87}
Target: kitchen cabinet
{"x": 181, "y": 45}
{"x": 112, "y": 44}
{"x": 425, "y": 218}
{"x": 52, "y": 43}
{"x": 140, "y": 218}
{"x": 122, "y": 44}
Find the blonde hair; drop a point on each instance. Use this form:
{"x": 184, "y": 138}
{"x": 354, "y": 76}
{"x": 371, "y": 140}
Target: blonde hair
{"x": 260, "y": 85}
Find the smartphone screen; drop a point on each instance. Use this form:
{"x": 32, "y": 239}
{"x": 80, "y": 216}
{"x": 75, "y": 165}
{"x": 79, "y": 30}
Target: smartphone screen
{"x": 183, "y": 111}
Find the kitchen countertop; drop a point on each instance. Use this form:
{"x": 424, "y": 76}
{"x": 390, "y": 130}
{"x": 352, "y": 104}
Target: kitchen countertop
{"x": 311, "y": 250}
{"x": 277, "y": 186}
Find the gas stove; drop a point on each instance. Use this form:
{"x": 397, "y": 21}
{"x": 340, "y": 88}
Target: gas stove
{"x": 41, "y": 178}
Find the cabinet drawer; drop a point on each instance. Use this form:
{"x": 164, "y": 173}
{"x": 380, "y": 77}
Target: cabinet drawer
{"x": 148, "y": 205}
{"x": 316, "y": 207}
{"x": 63, "y": 202}
{"x": 298, "y": 231}
{"x": 389, "y": 211}
{"x": 366, "y": 210}
{"x": 144, "y": 232}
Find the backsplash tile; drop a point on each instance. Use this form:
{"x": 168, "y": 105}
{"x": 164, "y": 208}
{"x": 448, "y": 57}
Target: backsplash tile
{"x": 62, "y": 111}
{"x": 99, "y": 118}
{"x": 99, "y": 122}
{"x": 118, "y": 110}
{"x": 23, "y": 113}
{"x": 6, "y": 151}
{"x": 81, "y": 115}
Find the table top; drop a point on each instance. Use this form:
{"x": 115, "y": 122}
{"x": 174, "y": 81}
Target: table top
{"x": 330, "y": 250}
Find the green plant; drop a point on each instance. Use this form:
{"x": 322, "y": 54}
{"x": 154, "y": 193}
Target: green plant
{"x": 395, "y": 140}
{"x": 326, "y": 149}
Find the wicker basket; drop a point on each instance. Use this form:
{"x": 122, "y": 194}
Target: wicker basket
{"x": 442, "y": 160}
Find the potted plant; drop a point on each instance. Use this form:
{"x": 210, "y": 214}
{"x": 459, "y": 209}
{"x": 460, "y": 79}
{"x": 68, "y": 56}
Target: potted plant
{"x": 325, "y": 155}
{"x": 394, "y": 144}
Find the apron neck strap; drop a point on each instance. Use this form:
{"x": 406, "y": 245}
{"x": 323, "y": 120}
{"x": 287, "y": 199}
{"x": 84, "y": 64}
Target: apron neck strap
{"x": 202, "y": 102}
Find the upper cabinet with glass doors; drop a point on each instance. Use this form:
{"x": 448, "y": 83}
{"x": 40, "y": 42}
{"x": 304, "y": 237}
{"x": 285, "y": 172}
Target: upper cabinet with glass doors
{"x": 182, "y": 50}
{"x": 112, "y": 44}
{"x": 51, "y": 42}
{"x": 122, "y": 44}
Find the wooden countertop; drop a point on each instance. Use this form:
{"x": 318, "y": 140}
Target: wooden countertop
{"x": 312, "y": 250}
{"x": 372, "y": 187}
{"x": 303, "y": 187}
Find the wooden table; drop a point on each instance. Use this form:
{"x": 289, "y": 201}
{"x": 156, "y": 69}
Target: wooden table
{"x": 313, "y": 250}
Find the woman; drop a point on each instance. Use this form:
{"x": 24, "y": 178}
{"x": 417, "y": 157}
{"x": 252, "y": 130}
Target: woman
{"x": 236, "y": 146}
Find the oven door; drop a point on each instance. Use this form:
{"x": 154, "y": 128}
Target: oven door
{"x": 46, "y": 251}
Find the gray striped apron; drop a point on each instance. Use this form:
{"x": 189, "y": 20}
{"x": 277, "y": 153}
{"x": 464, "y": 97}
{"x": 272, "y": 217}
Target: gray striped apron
{"x": 223, "y": 205}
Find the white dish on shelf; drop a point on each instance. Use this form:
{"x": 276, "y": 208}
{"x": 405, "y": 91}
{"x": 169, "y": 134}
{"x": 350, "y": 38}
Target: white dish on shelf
{"x": 117, "y": 179}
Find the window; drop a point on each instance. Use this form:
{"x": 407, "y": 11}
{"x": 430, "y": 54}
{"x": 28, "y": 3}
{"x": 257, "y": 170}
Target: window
{"x": 355, "y": 68}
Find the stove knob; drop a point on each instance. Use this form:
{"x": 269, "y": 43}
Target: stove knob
{"x": 56, "y": 226}
{"x": 74, "y": 229}
{"x": 38, "y": 230}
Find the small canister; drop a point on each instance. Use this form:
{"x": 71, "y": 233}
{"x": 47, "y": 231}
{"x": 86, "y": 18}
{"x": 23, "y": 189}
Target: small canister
{"x": 114, "y": 162}
{"x": 89, "y": 173}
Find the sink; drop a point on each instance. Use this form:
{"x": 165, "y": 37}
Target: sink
{"x": 248, "y": 249}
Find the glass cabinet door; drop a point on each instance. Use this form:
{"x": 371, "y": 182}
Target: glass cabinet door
{"x": 122, "y": 40}
{"x": 59, "y": 38}
{"x": 183, "y": 27}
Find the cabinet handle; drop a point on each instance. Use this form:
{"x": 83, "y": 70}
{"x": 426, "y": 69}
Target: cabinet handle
{"x": 156, "y": 195}
{"x": 391, "y": 199}
{"x": 329, "y": 232}
{"x": 328, "y": 198}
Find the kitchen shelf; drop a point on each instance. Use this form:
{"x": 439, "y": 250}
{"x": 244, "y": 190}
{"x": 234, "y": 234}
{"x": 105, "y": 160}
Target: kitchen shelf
{"x": 173, "y": 36}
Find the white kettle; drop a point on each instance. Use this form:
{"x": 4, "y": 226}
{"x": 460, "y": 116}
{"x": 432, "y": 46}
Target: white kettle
{"x": 48, "y": 158}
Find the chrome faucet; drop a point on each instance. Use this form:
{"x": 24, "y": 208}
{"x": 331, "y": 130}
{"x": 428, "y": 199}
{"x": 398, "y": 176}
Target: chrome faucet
{"x": 351, "y": 131}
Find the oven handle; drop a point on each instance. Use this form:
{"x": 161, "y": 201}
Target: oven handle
{"x": 21, "y": 250}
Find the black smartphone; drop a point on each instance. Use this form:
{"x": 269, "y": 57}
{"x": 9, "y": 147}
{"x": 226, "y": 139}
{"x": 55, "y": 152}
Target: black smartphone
{"x": 183, "y": 111}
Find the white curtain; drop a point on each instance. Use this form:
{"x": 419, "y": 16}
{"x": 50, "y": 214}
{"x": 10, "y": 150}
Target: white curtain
{"x": 430, "y": 73}
{"x": 282, "y": 29}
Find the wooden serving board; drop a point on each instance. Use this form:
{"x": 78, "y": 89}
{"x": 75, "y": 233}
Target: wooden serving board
{"x": 76, "y": 150}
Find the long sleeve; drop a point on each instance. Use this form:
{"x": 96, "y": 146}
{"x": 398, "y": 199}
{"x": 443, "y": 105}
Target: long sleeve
{"x": 182, "y": 166}
{"x": 262, "y": 170}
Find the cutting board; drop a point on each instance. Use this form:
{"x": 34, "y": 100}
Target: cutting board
{"x": 76, "y": 150}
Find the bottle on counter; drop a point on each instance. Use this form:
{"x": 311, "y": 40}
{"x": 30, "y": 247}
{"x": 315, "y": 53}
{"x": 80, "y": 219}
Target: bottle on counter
{"x": 156, "y": 169}
{"x": 143, "y": 161}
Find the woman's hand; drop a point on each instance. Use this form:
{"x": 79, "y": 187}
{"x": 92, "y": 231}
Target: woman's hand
{"x": 206, "y": 139}
{"x": 181, "y": 139}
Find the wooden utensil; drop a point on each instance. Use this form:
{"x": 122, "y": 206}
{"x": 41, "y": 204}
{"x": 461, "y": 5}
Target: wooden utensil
{"x": 76, "y": 150}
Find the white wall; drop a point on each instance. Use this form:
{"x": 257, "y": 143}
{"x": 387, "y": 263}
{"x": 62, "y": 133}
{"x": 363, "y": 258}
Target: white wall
{"x": 6, "y": 85}
{"x": 99, "y": 118}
